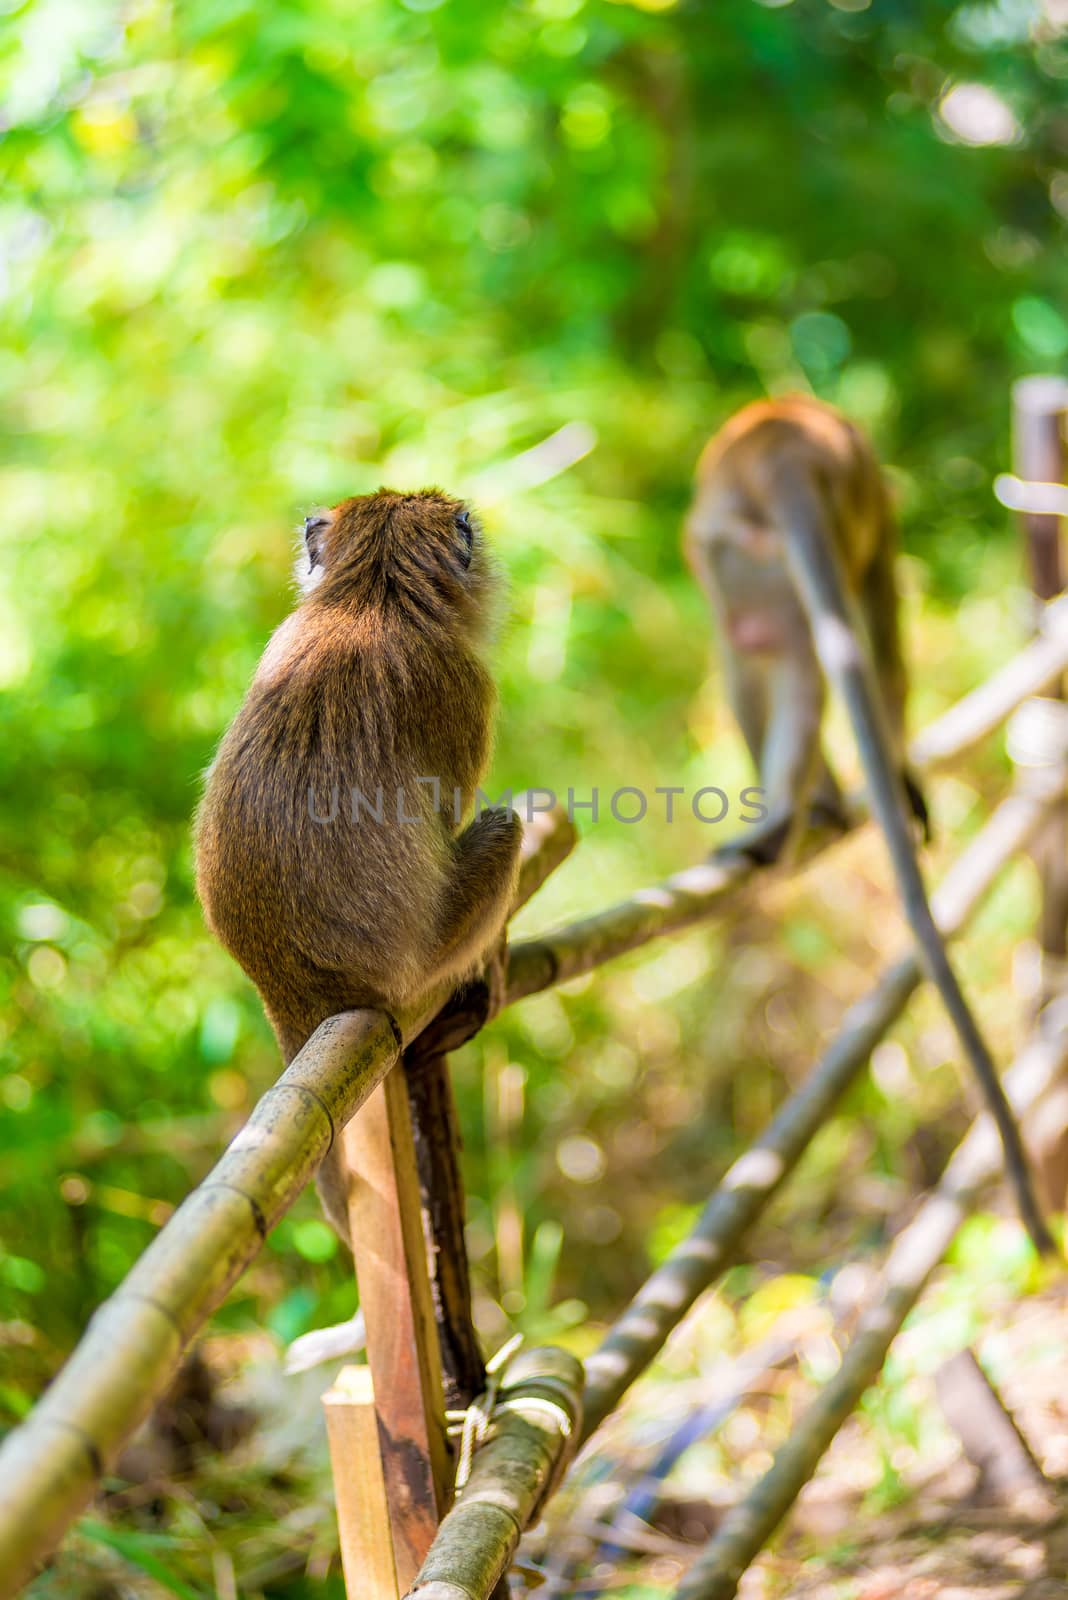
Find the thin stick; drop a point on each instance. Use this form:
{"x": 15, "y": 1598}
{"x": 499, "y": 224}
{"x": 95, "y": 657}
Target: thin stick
{"x": 915, "y": 1254}
{"x": 989, "y": 1433}
{"x": 362, "y": 1510}
{"x": 695, "y": 1264}
{"x": 531, "y": 1437}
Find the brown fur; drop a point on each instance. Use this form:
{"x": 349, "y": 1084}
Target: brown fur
{"x": 376, "y": 679}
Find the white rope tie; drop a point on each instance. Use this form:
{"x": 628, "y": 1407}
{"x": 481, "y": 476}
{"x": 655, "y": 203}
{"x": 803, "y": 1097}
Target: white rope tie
{"x": 473, "y": 1425}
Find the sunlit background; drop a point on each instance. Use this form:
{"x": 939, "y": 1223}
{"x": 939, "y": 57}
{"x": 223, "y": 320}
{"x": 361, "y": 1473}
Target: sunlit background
{"x": 255, "y": 258}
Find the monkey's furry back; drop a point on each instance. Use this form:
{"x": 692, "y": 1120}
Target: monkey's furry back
{"x": 372, "y": 683}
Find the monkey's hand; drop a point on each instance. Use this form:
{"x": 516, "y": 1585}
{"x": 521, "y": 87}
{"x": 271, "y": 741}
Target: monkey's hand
{"x": 495, "y": 976}
{"x": 469, "y": 1007}
{"x": 778, "y": 840}
{"x": 763, "y": 846}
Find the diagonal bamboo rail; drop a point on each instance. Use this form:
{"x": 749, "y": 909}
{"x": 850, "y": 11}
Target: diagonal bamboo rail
{"x": 471, "y": 1571}
{"x": 51, "y": 1463}
{"x": 915, "y": 1254}
{"x": 749, "y": 1185}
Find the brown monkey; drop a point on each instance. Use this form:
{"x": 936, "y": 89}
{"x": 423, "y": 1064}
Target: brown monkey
{"x": 791, "y": 534}
{"x": 736, "y": 545}
{"x": 330, "y": 860}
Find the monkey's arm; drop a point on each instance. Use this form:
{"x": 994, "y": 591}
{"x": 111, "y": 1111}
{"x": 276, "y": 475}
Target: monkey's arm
{"x": 476, "y": 901}
{"x": 478, "y": 893}
{"x": 815, "y": 568}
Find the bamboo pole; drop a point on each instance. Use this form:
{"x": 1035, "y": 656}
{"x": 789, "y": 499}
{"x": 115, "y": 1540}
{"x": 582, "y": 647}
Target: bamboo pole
{"x": 913, "y": 1257}
{"x": 359, "y": 1487}
{"x": 693, "y": 1266}
{"x": 531, "y": 1436}
{"x": 697, "y": 893}
{"x": 131, "y": 1349}
{"x": 50, "y": 1463}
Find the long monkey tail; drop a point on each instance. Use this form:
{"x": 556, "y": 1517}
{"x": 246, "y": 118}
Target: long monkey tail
{"x": 816, "y": 573}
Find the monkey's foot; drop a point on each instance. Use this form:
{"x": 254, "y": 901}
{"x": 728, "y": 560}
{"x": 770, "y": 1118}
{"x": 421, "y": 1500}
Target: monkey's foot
{"x": 768, "y": 845}
{"x": 764, "y": 846}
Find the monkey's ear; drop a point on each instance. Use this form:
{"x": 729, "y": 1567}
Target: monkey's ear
{"x": 467, "y": 535}
{"x": 315, "y": 528}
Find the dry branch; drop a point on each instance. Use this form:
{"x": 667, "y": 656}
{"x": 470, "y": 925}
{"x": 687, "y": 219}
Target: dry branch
{"x": 915, "y": 1254}
{"x": 531, "y": 1437}
{"x": 749, "y": 1185}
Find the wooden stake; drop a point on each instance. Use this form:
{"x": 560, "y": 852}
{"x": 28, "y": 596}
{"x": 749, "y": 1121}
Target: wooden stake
{"x": 385, "y": 1220}
{"x": 362, "y": 1512}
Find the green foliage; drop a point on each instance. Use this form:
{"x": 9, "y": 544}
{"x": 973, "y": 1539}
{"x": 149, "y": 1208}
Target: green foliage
{"x": 258, "y": 258}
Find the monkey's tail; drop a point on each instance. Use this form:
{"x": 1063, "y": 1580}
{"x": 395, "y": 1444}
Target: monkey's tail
{"x": 816, "y": 573}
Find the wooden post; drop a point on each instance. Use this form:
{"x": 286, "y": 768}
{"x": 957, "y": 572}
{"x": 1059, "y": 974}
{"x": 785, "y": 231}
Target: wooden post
{"x": 1039, "y": 405}
{"x": 1040, "y": 455}
{"x": 385, "y": 1220}
{"x": 362, "y": 1511}
{"x": 406, "y": 1218}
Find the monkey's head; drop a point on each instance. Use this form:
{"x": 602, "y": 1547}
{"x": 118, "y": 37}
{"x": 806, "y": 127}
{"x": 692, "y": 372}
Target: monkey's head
{"x": 422, "y": 555}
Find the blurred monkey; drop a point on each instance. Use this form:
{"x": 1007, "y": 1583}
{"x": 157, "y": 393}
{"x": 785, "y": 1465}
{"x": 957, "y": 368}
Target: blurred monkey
{"x": 791, "y": 534}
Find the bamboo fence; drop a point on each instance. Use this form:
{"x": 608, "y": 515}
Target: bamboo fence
{"x": 50, "y": 1464}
